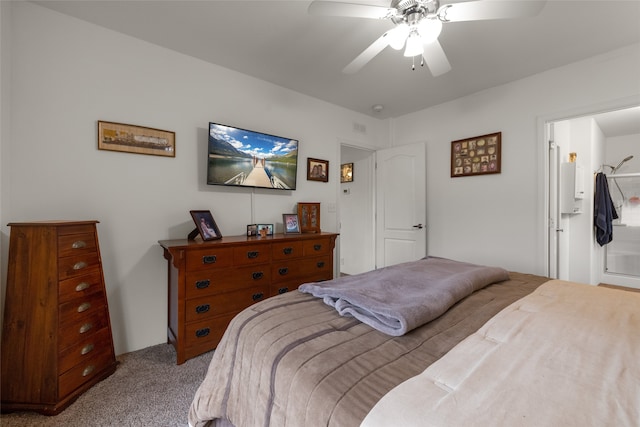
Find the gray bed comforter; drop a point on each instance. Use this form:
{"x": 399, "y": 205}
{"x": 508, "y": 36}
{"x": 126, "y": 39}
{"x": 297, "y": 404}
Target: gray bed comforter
{"x": 291, "y": 360}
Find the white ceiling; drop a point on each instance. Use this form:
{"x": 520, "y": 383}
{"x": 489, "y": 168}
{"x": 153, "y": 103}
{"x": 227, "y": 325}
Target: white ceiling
{"x": 278, "y": 41}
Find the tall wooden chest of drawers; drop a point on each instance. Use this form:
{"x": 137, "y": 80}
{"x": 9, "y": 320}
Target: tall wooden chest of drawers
{"x": 56, "y": 337}
{"x": 212, "y": 281}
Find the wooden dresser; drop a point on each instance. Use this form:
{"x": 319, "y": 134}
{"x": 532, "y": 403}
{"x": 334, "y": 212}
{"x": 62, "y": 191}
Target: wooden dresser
{"x": 56, "y": 337}
{"x": 210, "y": 282}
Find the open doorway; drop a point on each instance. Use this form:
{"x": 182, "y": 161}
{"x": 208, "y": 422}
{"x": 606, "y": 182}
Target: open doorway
{"x": 357, "y": 212}
{"x": 581, "y": 146}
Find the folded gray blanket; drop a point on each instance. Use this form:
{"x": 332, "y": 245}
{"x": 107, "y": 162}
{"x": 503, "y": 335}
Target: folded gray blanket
{"x": 399, "y": 298}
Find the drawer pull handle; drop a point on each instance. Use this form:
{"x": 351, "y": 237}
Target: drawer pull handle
{"x": 283, "y": 290}
{"x": 317, "y": 247}
{"x": 82, "y": 286}
{"x": 201, "y": 333}
{"x": 203, "y": 284}
{"x": 86, "y": 349}
{"x": 257, "y": 275}
{"x": 85, "y": 328}
{"x": 79, "y": 244}
{"x": 209, "y": 259}
{"x": 257, "y": 297}
{"x": 88, "y": 370}
{"x": 287, "y": 251}
{"x": 252, "y": 254}
{"x": 202, "y": 308}
{"x": 80, "y": 265}
{"x": 84, "y": 307}
{"x": 320, "y": 264}
{"x": 283, "y": 271}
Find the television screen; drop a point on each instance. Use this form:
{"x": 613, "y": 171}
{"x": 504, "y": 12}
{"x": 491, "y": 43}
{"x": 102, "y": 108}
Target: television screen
{"x": 251, "y": 159}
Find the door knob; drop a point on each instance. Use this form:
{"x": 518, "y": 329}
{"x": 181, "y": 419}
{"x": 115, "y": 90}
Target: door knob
{"x": 419, "y": 226}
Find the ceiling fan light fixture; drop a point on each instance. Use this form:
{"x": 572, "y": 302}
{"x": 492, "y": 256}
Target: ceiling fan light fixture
{"x": 398, "y": 35}
{"x": 429, "y": 30}
{"x": 414, "y": 45}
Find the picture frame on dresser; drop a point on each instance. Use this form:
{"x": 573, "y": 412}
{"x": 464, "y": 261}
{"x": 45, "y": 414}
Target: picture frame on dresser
{"x": 205, "y": 226}
{"x": 291, "y": 223}
{"x": 265, "y": 230}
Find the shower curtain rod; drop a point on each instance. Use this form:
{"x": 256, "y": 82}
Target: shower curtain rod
{"x": 625, "y": 175}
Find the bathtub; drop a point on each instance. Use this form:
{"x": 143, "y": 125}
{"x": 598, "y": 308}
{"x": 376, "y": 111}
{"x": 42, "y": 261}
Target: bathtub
{"x": 622, "y": 255}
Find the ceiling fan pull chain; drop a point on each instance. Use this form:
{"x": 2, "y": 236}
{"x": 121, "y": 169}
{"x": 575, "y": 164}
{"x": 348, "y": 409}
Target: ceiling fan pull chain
{"x": 413, "y": 65}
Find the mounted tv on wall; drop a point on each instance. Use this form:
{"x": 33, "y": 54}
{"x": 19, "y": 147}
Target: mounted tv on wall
{"x": 246, "y": 158}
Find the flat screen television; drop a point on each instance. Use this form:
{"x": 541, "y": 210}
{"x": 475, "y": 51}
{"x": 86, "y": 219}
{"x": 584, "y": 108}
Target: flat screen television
{"x": 246, "y": 158}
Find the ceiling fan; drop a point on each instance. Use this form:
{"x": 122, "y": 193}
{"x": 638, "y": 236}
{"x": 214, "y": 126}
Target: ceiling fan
{"x": 418, "y": 24}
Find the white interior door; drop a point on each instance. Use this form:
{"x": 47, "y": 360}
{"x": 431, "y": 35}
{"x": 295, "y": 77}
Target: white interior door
{"x": 554, "y": 203}
{"x": 401, "y": 204}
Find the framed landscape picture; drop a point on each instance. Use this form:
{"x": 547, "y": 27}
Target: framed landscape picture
{"x": 136, "y": 139}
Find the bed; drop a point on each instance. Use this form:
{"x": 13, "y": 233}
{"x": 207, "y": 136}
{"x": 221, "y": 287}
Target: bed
{"x": 292, "y": 360}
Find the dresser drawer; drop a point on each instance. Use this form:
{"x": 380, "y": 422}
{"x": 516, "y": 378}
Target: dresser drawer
{"x": 287, "y": 276}
{"x": 73, "y": 244}
{"x": 202, "y": 283}
{"x": 205, "y": 335}
{"x": 76, "y": 330}
{"x": 81, "y": 308}
{"x": 317, "y": 247}
{"x": 251, "y": 254}
{"x": 84, "y": 372}
{"x": 286, "y": 250}
{"x": 72, "y": 266}
{"x": 227, "y": 302}
{"x": 318, "y": 267}
{"x": 79, "y": 287}
{"x": 85, "y": 349}
{"x": 76, "y": 229}
{"x": 209, "y": 258}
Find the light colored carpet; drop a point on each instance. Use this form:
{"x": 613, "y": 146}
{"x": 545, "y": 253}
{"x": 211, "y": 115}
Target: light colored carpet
{"x": 147, "y": 389}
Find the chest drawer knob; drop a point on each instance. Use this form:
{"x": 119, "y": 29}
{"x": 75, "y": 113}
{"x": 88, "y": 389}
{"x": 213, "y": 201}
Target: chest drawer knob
{"x": 88, "y": 370}
{"x": 317, "y": 247}
{"x": 209, "y": 259}
{"x": 283, "y": 290}
{"x": 287, "y": 251}
{"x": 201, "y": 333}
{"x": 84, "y": 307}
{"x": 283, "y": 271}
{"x": 203, "y": 284}
{"x": 85, "y": 328}
{"x": 320, "y": 264}
{"x": 82, "y": 286}
{"x": 258, "y": 296}
{"x": 79, "y": 244}
{"x": 257, "y": 275}
{"x": 252, "y": 254}
{"x": 87, "y": 349}
{"x": 80, "y": 265}
{"x": 202, "y": 308}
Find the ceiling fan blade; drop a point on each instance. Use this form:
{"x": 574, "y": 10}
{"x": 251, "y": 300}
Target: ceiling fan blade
{"x": 435, "y": 58}
{"x": 331, "y": 8}
{"x": 367, "y": 55}
{"x": 489, "y": 9}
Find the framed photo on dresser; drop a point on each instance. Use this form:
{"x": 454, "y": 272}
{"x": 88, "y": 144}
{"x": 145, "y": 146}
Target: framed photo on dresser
{"x": 205, "y": 226}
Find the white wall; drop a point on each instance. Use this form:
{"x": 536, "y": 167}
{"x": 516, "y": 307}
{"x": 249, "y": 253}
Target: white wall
{"x": 67, "y": 74}
{"x": 500, "y": 219}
